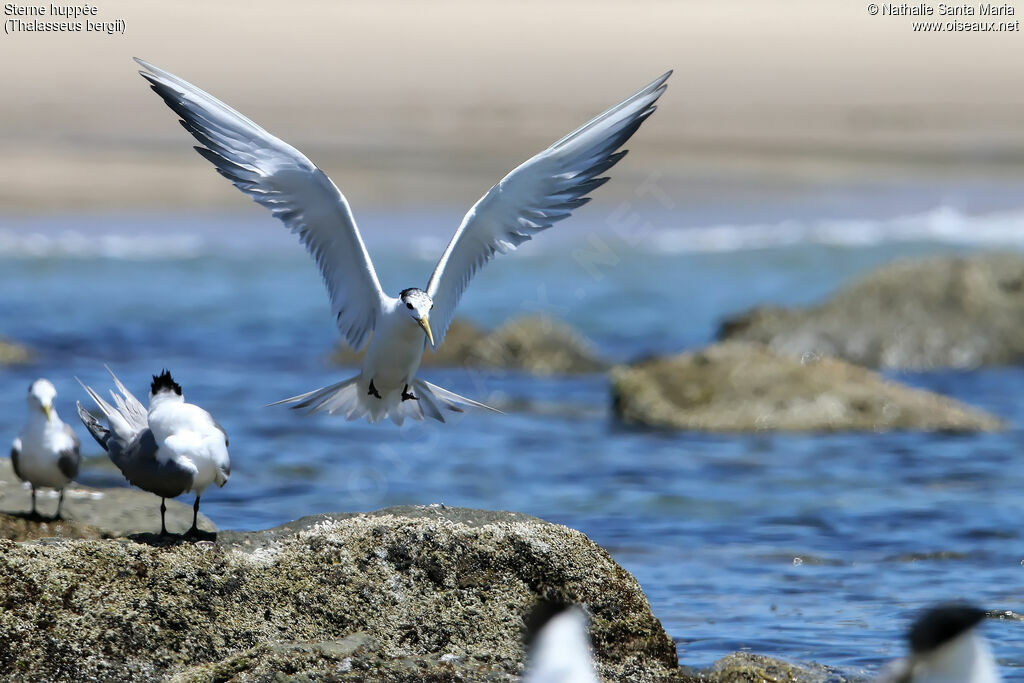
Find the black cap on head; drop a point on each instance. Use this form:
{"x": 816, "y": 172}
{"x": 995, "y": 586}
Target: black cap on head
{"x": 163, "y": 382}
{"x": 941, "y": 624}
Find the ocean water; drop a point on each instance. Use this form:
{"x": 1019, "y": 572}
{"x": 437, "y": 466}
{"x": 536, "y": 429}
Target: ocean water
{"x": 804, "y": 547}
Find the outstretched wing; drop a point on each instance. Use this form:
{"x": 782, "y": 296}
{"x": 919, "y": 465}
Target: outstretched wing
{"x": 534, "y": 196}
{"x": 279, "y": 177}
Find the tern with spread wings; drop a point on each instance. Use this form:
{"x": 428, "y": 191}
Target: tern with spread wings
{"x": 540, "y": 192}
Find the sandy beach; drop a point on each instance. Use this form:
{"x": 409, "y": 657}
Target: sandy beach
{"x": 405, "y": 103}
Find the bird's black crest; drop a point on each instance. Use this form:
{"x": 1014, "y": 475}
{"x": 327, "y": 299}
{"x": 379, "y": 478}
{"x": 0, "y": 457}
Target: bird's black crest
{"x": 164, "y": 382}
{"x": 544, "y": 611}
{"x": 941, "y": 624}
{"x": 410, "y": 290}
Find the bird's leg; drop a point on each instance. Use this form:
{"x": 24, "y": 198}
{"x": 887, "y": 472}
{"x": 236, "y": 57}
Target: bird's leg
{"x": 60, "y": 501}
{"x": 163, "y": 511}
{"x": 34, "y": 513}
{"x": 194, "y": 531}
{"x": 373, "y": 390}
{"x": 406, "y": 394}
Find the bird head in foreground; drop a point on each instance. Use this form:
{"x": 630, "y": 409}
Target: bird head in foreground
{"x": 418, "y": 304}
{"x": 40, "y": 397}
{"x": 558, "y": 644}
{"x": 945, "y": 646}
{"x": 164, "y": 386}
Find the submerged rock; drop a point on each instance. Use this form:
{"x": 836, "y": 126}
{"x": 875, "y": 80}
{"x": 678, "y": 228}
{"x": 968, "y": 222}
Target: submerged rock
{"x": 740, "y": 387}
{"x": 108, "y": 512}
{"x": 536, "y": 344}
{"x": 403, "y": 594}
{"x": 946, "y": 312}
{"x": 12, "y": 353}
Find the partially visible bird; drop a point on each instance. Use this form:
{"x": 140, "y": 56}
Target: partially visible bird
{"x": 558, "y": 645}
{"x": 534, "y": 196}
{"x": 46, "y": 453}
{"x": 946, "y": 647}
{"x": 170, "y": 449}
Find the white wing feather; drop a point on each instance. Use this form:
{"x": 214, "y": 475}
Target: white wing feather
{"x": 534, "y": 196}
{"x": 279, "y": 177}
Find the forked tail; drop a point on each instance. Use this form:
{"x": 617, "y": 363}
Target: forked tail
{"x": 98, "y": 431}
{"x": 348, "y": 399}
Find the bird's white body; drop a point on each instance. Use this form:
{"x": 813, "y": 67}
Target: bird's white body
{"x": 394, "y": 352}
{"x": 41, "y": 443}
{"x": 189, "y": 435}
{"x": 534, "y": 196}
{"x": 965, "y": 659}
{"x": 561, "y": 653}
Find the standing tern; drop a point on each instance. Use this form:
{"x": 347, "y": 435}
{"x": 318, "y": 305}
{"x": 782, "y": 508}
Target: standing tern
{"x": 946, "y": 646}
{"x": 534, "y": 196}
{"x": 170, "y": 449}
{"x": 558, "y": 645}
{"x": 46, "y": 453}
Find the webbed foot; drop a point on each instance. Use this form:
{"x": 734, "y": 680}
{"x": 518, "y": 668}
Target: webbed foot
{"x": 373, "y": 390}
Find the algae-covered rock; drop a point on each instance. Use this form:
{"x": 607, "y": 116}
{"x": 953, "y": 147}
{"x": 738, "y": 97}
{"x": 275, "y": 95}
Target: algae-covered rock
{"x": 744, "y": 667}
{"x": 17, "y": 528}
{"x": 403, "y": 594}
{"x": 945, "y": 312}
{"x": 536, "y": 344}
{"x": 111, "y": 512}
{"x": 13, "y": 354}
{"x": 740, "y": 387}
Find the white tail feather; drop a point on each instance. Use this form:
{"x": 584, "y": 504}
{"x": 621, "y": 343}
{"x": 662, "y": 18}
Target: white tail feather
{"x": 348, "y": 399}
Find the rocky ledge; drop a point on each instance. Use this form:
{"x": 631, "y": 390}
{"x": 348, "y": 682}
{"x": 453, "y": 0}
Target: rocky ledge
{"x": 945, "y": 312}
{"x": 741, "y": 387}
{"x": 538, "y": 345}
{"x": 88, "y": 512}
{"x": 402, "y": 594}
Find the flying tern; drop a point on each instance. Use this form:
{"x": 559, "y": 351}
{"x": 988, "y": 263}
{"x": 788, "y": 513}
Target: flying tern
{"x": 545, "y": 189}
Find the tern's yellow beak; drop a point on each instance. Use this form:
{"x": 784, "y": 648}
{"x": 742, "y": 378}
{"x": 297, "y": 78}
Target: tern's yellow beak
{"x": 48, "y": 409}
{"x": 425, "y": 324}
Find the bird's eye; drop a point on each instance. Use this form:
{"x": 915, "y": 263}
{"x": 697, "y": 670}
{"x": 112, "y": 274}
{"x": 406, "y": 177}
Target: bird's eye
{"x": 408, "y": 305}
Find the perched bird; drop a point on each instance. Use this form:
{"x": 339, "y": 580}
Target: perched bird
{"x": 558, "y": 646}
{"x": 170, "y": 449}
{"x": 46, "y": 453}
{"x": 945, "y": 647}
{"x": 540, "y": 192}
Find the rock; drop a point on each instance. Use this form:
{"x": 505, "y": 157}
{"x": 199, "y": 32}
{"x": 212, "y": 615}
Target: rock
{"x": 13, "y": 354}
{"x": 111, "y": 512}
{"x": 21, "y": 529}
{"x": 741, "y": 387}
{"x": 403, "y": 594}
{"x": 945, "y": 312}
{"x": 744, "y": 667}
{"x": 462, "y": 336}
{"x": 536, "y": 344}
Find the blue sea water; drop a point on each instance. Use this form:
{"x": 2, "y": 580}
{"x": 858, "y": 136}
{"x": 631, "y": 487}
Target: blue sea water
{"x": 809, "y": 547}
